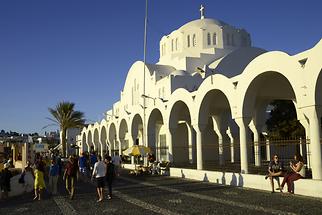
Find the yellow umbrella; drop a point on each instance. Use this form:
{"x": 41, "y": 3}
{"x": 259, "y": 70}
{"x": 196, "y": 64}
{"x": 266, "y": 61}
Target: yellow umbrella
{"x": 137, "y": 150}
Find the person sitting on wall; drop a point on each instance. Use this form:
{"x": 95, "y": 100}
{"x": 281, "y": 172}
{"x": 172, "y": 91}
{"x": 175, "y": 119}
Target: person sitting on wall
{"x": 275, "y": 170}
{"x": 297, "y": 172}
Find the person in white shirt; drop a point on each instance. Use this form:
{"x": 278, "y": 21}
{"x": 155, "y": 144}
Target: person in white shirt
{"x": 99, "y": 173}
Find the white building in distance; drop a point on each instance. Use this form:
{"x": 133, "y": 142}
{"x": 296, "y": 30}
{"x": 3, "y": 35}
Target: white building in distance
{"x": 207, "y": 94}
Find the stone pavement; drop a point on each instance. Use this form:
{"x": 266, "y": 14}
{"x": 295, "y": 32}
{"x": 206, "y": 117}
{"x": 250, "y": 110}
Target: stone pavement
{"x": 164, "y": 195}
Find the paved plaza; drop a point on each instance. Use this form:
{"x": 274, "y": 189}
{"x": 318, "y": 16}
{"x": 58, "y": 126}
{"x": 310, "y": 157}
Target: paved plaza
{"x": 164, "y": 195}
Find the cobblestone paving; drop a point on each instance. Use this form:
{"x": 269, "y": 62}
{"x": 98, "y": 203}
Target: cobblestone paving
{"x": 164, "y": 195}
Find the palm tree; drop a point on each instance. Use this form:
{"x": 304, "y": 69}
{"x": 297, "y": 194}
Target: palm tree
{"x": 66, "y": 117}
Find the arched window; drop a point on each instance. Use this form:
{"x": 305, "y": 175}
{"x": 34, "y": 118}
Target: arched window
{"x": 194, "y": 41}
{"x": 172, "y": 44}
{"x": 176, "y": 44}
{"x": 188, "y": 41}
{"x": 214, "y": 39}
{"x": 208, "y": 39}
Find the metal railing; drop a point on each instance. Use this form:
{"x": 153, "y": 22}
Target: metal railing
{"x": 226, "y": 157}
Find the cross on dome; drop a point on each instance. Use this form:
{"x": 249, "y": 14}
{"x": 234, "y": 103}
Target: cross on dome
{"x": 202, "y": 12}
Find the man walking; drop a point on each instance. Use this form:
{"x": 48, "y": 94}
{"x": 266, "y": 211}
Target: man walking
{"x": 110, "y": 175}
{"x": 99, "y": 173}
{"x": 71, "y": 175}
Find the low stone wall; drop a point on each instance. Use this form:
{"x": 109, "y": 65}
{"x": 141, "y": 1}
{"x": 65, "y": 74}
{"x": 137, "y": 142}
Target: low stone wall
{"x": 18, "y": 189}
{"x": 306, "y": 187}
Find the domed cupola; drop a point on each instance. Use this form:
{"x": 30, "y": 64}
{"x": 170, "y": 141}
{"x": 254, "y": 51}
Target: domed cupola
{"x": 199, "y": 39}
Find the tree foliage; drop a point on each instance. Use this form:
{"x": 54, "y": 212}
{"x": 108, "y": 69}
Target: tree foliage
{"x": 283, "y": 122}
{"x": 66, "y": 117}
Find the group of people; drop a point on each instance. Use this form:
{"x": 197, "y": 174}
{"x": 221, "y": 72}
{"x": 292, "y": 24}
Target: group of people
{"x": 51, "y": 168}
{"x": 44, "y": 169}
{"x": 104, "y": 171}
{"x": 294, "y": 172}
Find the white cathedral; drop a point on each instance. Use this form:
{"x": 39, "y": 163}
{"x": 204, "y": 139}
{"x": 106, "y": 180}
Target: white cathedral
{"x": 206, "y": 95}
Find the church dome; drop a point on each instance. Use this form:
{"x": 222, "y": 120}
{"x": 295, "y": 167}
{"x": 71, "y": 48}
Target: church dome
{"x": 202, "y": 24}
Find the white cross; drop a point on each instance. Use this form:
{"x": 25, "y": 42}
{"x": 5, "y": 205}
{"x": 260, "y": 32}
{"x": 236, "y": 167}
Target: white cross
{"x": 202, "y": 12}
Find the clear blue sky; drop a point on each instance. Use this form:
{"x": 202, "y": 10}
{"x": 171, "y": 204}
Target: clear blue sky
{"x": 80, "y": 51}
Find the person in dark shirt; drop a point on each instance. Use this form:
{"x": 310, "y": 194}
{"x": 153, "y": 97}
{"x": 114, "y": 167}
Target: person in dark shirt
{"x": 93, "y": 160}
{"x": 275, "y": 170}
{"x": 110, "y": 175}
{"x": 5, "y": 177}
{"x": 53, "y": 177}
{"x": 82, "y": 164}
{"x": 71, "y": 175}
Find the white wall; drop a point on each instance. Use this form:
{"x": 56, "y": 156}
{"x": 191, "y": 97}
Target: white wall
{"x": 306, "y": 187}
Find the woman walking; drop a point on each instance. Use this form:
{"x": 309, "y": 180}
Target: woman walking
{"x": 99, "y": 171}
{"x": 70, "y": 176}
{"x": 39, "y": 184}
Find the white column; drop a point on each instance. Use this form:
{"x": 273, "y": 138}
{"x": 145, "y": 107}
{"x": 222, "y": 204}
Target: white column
{"x": 169, "y": 132}
{"x": 131, "y": 143}
{"x": 145, "y": 143}
{"x": 199, "y": 129}
{"x": 315, "y": 145}
{"x": 301, "y": 146}
{"x": 192, "y": 144}
{"x": 268, "y": 149}
{"x": 306, "y": 126}
{"x": 101, "y": 147}
{"x": 243, "y": 138}
{"x": 109, "y": 145}
{"x": 217, "y": 128}
{"x": 232, "y": 140}
{"x": 257, "y": 148}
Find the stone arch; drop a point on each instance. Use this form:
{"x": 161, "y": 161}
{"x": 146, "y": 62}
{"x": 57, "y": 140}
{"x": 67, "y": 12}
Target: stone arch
{"x": 97, "y": 142}
{"x": 156, "y": 134}
{"x": 183, "y": 148}
{"x": 85, "y": 146}
{"x": 318, "y": 90}
{"x": 184, "y": 96}
{"x": 112, "y": 138}
{"x": 123, "y": 135}
{"x": 270, "y": 75}
{"x": 215, "y": 120}
{"x": 264, "y": 89}
{"x": 103, "y": 138}
{"x": 90, "y": 140}
{"x": 137, "y": 129}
